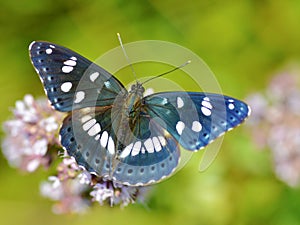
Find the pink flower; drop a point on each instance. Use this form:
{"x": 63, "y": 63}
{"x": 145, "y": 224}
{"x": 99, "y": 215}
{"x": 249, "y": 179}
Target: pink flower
{"x": 28, "y": 135}
{"x": 74, "y": 189}
{"x": 68, "y": 188}
{"x": 275, "y": 124}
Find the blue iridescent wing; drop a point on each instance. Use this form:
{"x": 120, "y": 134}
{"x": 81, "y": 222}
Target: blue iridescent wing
{"x": 86, "y": 135}
{"x": 70, "y": 80}
{"x": 195, "y": 119}
{"x": 149, "y": 159}
{"x": 93, "y": 137}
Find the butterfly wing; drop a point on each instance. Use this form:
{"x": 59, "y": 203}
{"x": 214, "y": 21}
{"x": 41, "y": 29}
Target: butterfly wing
{"x": 70, "y": 80}
{"x": 90, "y": 135}
{"x": 87, "y": 135}
{"x": 151, "y": 156}
{"x": 191, "y": 119}
{"x": 195, "y": 119}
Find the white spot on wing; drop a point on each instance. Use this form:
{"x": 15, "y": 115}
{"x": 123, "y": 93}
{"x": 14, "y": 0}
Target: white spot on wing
{"x": 156, "y": 143}
{"x": 107, "y": 84}
{"x": 67, "y": 69}
{"x": 206, "y": 104}
{"x": 231, "y": 106}
{"x": 179, "y": 127}
{"x": 94, "y": 129}
{"x": 143, "y": 150}
{"x": 88, "y": 124}
{"x": 70, "y": 63}
{"x": 205, "y": 111}
{"x": 104, "y": 139}
{"x": 79, "y": 96}
{"x": 73, "y": 58}
{"x": 111, "y": 146}
{"x": 52, "y": 46}
{"x": 126, "y": 151}
{"x": 85, "y": 118}
{"x": 94, "y": 76}
{"x": 136, "y": 148}
{"x": 48, "y": 51}
{"x": 97, "y": 137}
{"x": 197, "y": 127}
{"x": 180, "y": 103}
{"x": 66, "y": 87}
{"x": 149, "y": 145}
{"x": 164, "y": 101}
{"x": 162, "y": 140}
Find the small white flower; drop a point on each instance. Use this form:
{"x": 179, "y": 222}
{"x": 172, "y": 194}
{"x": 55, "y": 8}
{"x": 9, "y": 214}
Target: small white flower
{"x": 85, "y": 177}
{"x": 40, "y": 147}
{"x": 33, "y": 165}
{"x": 117, "y": 194}
{"x": 50, "y": 124}
{"x": 52, "y": 189}
{"x": 101, "y": 193}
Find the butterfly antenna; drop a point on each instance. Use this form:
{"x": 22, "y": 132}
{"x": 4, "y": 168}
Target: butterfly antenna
{"x": 126, "y": 56}
{"x": 170, "y": 71}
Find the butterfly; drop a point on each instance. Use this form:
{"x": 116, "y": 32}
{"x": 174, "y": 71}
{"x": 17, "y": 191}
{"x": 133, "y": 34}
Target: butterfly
{"x": 122, "y": 135}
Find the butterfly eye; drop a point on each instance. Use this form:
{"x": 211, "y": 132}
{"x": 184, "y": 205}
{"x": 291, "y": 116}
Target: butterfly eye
{"x": 133, "y": 87}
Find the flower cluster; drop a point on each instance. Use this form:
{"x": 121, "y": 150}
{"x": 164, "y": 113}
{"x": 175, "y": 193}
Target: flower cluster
{"x": 32, "y": 141}
{"x": 275, "y": 124}
{"x": 33, "y": 128}
{"x": 68, "y": 188}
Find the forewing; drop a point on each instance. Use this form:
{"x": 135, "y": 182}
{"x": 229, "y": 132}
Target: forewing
{"x": 195, "y": 119}
{"x": 70, "y": 80}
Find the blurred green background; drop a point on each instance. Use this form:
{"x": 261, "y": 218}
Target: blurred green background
{"x": 243, "y": 42}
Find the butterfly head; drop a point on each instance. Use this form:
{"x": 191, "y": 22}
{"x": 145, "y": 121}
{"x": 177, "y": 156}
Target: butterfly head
{"x": 137, "y": 89}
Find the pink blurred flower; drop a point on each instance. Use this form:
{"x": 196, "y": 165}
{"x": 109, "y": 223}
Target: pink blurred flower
{"x": 74, "y": 189}
{"x": 275, "y": 124}
{"x": 28, "y": 135}
{"x": 68, "y": 188}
